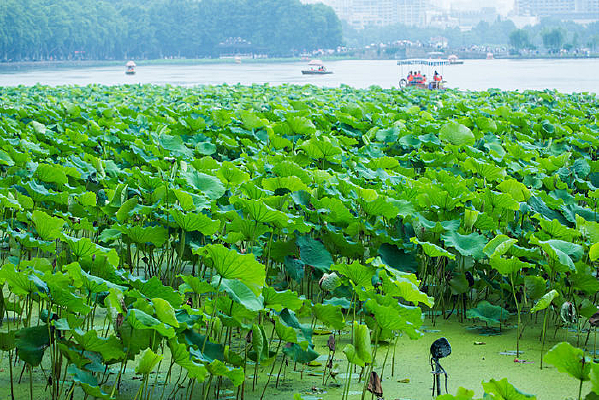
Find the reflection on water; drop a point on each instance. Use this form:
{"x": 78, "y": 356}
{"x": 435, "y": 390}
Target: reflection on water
{"x": 563, "y": 75}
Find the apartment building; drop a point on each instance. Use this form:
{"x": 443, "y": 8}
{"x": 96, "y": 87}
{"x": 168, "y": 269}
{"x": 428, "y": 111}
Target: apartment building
{"x": 362, "y": 13}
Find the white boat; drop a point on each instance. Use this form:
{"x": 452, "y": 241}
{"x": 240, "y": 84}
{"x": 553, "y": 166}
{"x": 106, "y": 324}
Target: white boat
{"x": 316, "y": 68}
{"x": 130, "y": 68}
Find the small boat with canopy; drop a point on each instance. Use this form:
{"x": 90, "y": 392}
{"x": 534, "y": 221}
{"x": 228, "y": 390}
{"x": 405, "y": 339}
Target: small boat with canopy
{"x": 424, "y": 74}
{"x": 316, "y": 68}
{"x": 130, "y": 68}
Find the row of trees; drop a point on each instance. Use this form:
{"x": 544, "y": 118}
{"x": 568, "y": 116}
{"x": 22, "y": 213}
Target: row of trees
{"x": 111, "y": 29}
{"x": 554, "y": 35}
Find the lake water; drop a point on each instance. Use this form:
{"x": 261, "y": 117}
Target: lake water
{"x": 564, "y": 75}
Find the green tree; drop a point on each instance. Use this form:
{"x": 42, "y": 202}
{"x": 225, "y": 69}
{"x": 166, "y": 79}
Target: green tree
{"x": 553, "y": 39}
{"x": 519, "y": 40}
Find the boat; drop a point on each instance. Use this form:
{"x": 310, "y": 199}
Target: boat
{"x": 490, "y": 56}
{"x": 453, "y": 60}
{"x": 316, "y": 68}
{"x": 130, "y": 68}
{"x": 415, "y": 78}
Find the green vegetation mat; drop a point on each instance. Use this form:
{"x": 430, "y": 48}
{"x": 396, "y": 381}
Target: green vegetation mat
{"x": 208, "y": 235}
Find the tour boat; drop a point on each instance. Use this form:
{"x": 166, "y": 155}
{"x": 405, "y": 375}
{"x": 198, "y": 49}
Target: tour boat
{"x": 130, "y": 68}
{"x": 316, "y": 68}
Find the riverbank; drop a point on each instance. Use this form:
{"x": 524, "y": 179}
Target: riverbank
{"x": 28, "y": 65}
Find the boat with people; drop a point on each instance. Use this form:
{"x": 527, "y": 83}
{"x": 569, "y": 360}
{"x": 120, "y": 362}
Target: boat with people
{"x": 316, "y": 68}
{"x": 130, "y": 68}
{"x": 454, "y": 60}
{"x": 423, "y": 74}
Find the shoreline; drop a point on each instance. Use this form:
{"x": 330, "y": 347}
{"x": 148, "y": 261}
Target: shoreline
{"x": 20, "y": 66}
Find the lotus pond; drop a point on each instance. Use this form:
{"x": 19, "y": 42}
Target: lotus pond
{"x": 244, "y": 242}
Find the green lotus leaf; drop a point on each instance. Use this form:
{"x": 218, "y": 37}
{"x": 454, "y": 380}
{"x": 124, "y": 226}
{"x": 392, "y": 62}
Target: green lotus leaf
{"x": 142, "y": 321}
{"x": 153, "y": 288}
{"x": 174, "y": 146}
{"x": 330, "y": 315}
{"x": 508, "y": 266}
{"x": 569, "y": 359}
{"x": 432, "y": 250}
{"x": 459, "y": 283}
{"x": 594, "y": 252}
{"x": 358, "y": 274}
{"x": 51, "y": 173}
{"x": 165, "y": 312}
{"x": 313, "y": 253}
{"x": 560, "y": 251}
{"x": 241, "y": 294}
{"x": 251, "y": 120}
{"x": 321, "y": 148}
{"x": 291, "y": 183}
{"x": 289, "y": 318}
{"x": 503, "y": 390}
{"x": 467, "y": 245}
{"x": 517, "y": 190}
{"x": 456, "y": 134}
{"x": 489, "y": 172}
{"x": 535, "y": 286}
{"x": 218, "y": 368}
{"x": 258, "y": 342}
{"x": 258, "y": 211}
{"x": 361, "y": 341}
{"x": 498, "y": 246}
{"x": 47, "y": 227}
{"x": 287, "y": 334}
{"x": 594, "y": 376}
{"x": 294, "y": 268}
{"x": 155, "y": 235}
{"x": 181, "y": 356}
{"x": 558, "y": 231}
{"x": 31, "y": 343}
{"x": 279, "y": 300}
{"x": 298, "y": 354}
{"x": 209, "y": 185}
{"x": 231, "y": 265}
{"x": 88, "y": 382}
{"x": 300, "y": 125}
{"x": 124, "y": 211}
{"x": 352, "y": 355}
{"x": 7, "y": 341}
{"x": 110, "y": 348}
{"x": 488, "y": 313}
{"x": 147, "y": 362}
{"x": 195, "y": 284}
{"x": 545, "y": 301}
{"x": 396, "y": 317}
{"x": 195, "y": 222}
{"x": 232, "y": 175}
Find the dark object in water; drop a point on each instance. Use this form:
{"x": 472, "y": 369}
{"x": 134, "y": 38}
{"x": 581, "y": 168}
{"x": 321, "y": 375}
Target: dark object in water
{"x": 439, "y": 349}
{"x": 374, "y": 385}
{"x": 594, "y": 320}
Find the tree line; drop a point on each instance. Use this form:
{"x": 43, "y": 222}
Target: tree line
{"x": 111, "y": 29}
{"x": 554, "y": 35}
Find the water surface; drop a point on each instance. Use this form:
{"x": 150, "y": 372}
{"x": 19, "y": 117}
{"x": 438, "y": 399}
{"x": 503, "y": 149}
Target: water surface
{"x": 564, "y": 75}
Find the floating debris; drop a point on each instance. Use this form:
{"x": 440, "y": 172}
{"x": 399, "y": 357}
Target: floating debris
{"x": 405, "y": 380}
{"x": 479, "y": 343}
{"x": 510, "y": 353}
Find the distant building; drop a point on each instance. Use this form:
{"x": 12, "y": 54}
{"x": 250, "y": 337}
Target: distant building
{"x": 362, "y": 13}
{"x": 577, "y": 10}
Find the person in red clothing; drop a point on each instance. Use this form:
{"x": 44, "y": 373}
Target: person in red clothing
{"x": 437, "y": 77}
{"x": 410, "y": 77}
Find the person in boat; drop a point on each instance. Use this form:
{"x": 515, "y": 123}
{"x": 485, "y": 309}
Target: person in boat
{"x": 410, "y": 78}
{"x": 437, "y": 77}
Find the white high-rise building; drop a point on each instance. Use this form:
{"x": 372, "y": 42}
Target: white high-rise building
{"x": 361, "y": 13}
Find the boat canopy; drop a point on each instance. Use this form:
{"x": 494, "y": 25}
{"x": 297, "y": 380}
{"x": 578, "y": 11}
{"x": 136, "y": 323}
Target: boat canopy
{"x": 315, "y": 62}
{"x": 430, "y": 63}
{"x": 130, "y": 64}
